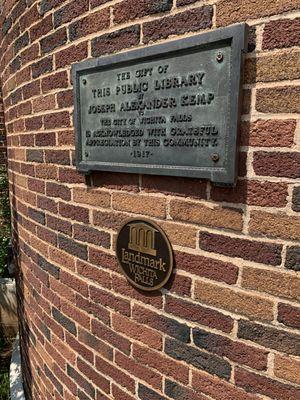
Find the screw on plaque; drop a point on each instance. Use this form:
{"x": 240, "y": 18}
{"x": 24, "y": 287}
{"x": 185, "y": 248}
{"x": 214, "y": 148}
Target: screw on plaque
{"x": 84, "y": 81}
{"x": 86, "y": 154}
{"x": 215, "y": 157}
{"x": 219, "y": 56}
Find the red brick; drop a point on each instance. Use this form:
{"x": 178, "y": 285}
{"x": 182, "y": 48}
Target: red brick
{"x": 93, "y": 197}
{"x": 94, "y": 274}
{"x": 120, "y": 285}
{"x": 162, "y": 323}
{"x": 79, "y": 349}
{"x": 139, "y": 371}
{"x": 74, "y": 283}
{"x": 47, "y": 204}
{"x": 70, "y": 11}
{"x": 116, "y": 41}
{"x": 33, "y": 123}
{"x": 18, "y": 10}
{"x": 67, "y": 175}
{"x": 62, "y": 290}
{"x": 262, "y": 385}
{"x": 61, "y": 157}
{"x": 278, "y": 100}
{"x": 59, "y": 225}
{"x": 268, "y": 133}
{"x": 119, "y": 394}
{"x": 194, "y": 188}
{"x": 113, "y": 338}
{"x": 46, "y": 235}
{"x": 188, "y": 21}
{"x": 55, "y": 81}
{"x": 31, "y": 89}
{"x": 197, "y": 313}
{"x": 54, "y": 40}
{"x": 98, "y": 345}
{"x": 269, "y": 337}
{"x": 30, "y": 53}
{"x": 95, "y": 310}
{"x": 57, "y": 120}
{"x": 57, "y": 190}
{"x": 110, "y": 300}
{"x": 109, "y": 180}
{"x": 139, "y": 332}
{"x": 105, "y": 260}
{"x": 206, "y": 215}
{"x": 266, "y": 253}
{"x": 257, "y": 193}
{"x": 161, "y": 363}
{"x": 25, "y": 109}
{"x": 47, "y": 5}
{"x": 92, "y": 23}
{"x": 65, "y": 99}
{"x": 36, "y": 185}
{"x": 281, "y": 33}
{"x": 60, "y": 257}
{"x": 289, "y": 315}
{"x": 233, "y": 350}
{"x": 217, "y": 388}
{"x": 43, "y": 103}
{"x": 74, "y": 212}
{"x": 71, "y": 54}
{"x": 93, "y": 375}
{"x": 96, "y": 3}
{"x": 179, "y": 284}
{"x": 41, "y": 28}
{"x": 42, "y": 67}
{"x": 277, "y": 164}
{"x": 66, "y": 138}
{"x": 130, "y": 9}
{"x": 239, "y": 11}
{"x": 23, "y": 76}
{"x": 108, "y": 369}
{"x": 91, "y": 235}
{"x": 29, "y": 18}
{"x": 52, "y": 298}
{"x": 207, "y": 267}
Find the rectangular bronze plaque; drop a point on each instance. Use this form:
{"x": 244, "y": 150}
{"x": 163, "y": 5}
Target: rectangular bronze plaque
{"x": 168, "y": 109}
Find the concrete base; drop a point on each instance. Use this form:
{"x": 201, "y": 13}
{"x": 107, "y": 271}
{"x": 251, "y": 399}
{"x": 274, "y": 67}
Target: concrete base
{"x": 15, "y": 376}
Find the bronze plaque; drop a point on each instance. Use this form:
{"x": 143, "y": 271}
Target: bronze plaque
{"x": 168, "y": 109}
{"x": 144, "y": 254}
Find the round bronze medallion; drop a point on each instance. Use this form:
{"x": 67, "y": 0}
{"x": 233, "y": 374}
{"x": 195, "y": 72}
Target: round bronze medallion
{"x": 144, "y": 254}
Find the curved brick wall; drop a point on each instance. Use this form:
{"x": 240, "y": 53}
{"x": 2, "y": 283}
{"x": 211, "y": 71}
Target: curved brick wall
{"x": 226, "y": 326}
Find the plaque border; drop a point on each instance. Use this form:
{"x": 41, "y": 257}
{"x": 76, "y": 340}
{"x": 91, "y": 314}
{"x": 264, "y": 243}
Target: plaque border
{"x": 136, "y": 285}
{"x": 236, "y": 35}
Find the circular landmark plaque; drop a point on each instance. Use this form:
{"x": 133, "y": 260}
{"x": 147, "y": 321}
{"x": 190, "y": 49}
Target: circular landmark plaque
{"x": 144, "y": 254}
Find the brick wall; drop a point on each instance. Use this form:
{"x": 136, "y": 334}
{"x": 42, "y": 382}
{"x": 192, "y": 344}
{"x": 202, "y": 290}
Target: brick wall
{"x": 2, "y": 134}
{"x": 225, "y": 328}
